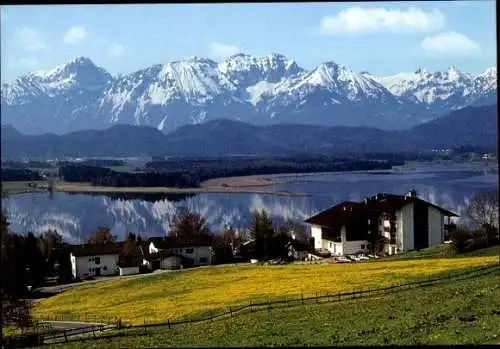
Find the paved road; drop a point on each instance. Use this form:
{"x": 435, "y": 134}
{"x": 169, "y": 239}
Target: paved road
{"x": 61, "y": 288}
{"x": 70, "y": 325}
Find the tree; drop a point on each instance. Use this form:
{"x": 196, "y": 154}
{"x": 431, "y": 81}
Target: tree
{"x": 130, "y": 246}
{"x": 482, "y": 213}
{"x": 461, "y": 239}
{"x": 48, "y": 242}
{"x": 102, "y": 236}
{"x": 262, "y": 231}
{"x": 189, "y": 224}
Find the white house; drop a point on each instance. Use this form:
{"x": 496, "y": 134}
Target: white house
{"x": 392, "y": 223}
{"x": 94, "y": 260}
{"x": 193, "y": 252}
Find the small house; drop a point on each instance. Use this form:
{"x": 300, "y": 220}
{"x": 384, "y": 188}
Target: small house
{"x": 194, "y": 252}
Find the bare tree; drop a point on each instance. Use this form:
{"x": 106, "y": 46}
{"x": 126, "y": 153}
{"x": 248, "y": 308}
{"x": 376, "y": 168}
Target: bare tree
{"x": 482, "y": 213}
{"x": 189, "y": 224}
{"x": 102, "y": 236}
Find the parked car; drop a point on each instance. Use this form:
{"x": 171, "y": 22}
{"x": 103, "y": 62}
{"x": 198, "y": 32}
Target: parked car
{"x": 373, "y": 256}
{"x": 353, "y": 257}
{"x": 363, "y": 257}
{"x": 343, "y": 259}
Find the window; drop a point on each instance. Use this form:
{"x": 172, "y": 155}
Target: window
{"x": 97, "y": 260}
{"x": 105, "y": 268}
{"x": 362, "y": 246}
{"x": 331, "y": 244}
{"x": 90, "y": 259}
{"x": 190, "y": 250}
{"x": 90, "y": 270}
{"x": 203, "y": 260}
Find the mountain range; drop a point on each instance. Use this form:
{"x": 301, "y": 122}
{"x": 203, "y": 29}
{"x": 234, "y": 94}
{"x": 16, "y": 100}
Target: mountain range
{"x": 264, "y": 90}
{"x": 470, "y": 126}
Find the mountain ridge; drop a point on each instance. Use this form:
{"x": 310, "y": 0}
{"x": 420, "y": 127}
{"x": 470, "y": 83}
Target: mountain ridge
{"x": 260, "y": 90}
{"x": 470, "y": 126}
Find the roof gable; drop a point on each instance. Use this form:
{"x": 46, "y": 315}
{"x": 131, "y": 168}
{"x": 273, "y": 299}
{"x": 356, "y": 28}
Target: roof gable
{"x": 348, "y": 211}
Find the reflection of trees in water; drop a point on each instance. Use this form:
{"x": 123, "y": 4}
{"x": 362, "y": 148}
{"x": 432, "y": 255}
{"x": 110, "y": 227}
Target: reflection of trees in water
{"x": 148, "y": 197}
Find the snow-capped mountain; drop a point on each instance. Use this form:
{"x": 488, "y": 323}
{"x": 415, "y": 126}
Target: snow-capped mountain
{"x": 261, "y": 90}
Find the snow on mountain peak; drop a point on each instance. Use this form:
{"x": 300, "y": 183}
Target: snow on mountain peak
{"x": 242, "y": 86}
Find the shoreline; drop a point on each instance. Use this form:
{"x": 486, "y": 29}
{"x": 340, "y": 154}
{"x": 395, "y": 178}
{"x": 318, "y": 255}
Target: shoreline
{"x": 87, "y": 188}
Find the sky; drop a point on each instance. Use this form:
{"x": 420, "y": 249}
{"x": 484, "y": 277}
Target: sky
{"x": 383, "y": 38}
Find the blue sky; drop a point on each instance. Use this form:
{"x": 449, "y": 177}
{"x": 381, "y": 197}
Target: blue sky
{"x": 381, "y": 37}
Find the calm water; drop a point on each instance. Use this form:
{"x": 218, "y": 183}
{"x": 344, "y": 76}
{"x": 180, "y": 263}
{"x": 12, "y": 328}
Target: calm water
{"x": 78, "y": 215}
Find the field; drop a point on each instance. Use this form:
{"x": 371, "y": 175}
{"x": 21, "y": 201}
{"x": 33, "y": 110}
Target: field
{"x": 188, "y": 293}
{"x": 12, "y": 188}
{"x": 456, "y": 312}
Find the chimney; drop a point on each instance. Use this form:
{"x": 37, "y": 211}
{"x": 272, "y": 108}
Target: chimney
{"x": 412, "y": 193}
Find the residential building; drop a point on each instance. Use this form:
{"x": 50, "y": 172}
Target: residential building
{"x": 95, "y": 260}
{"x": 194, "y": 252}
{"x": 384, "y": 222}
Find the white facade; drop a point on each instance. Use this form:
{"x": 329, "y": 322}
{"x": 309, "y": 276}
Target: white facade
{"x": 171, "y": 262}
{"x": 201, "y": 255}
{"x": 96, "y": 265}
{"x": 435, "y": 226}
{"x": 405, "y": 218}
{"x": 337, "y": 248}
{"x": 128, "y": 271}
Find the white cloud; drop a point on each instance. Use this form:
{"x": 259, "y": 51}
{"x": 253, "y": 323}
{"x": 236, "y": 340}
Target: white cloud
{"x": 357, "y": 20}
{"x": 450, "y": 44}
{"x": 115, "y": 50}
{"x": 74, "y": 35}
{"x": 30, "y": 40}
{"x": 220, "y": 50}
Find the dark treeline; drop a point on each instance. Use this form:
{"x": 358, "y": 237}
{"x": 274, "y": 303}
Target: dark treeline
{"x": 14, "y": 174}
{"x": 27, "y": 260}
{"x": 101, "y": 176}
{"x": 94, "y": 162}
{"x": 23, "y": 165}
{"x": 191, "y": 172}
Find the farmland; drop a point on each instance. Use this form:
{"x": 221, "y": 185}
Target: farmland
{"x": 184, "y": 294}
{"x": 456, "y": 312}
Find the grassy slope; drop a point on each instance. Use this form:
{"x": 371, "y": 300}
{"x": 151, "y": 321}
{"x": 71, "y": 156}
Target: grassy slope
{"x": 458, "y": 312}
{"x": 186, "y": 293}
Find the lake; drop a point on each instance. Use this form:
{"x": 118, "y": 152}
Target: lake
{"x": 77, "y": 216}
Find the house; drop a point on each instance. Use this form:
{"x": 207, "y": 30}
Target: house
{"x": 384, "y": 222}
{"x": 193, "y": 252}
{"x": 95, "y": 260}
{"x": 163, "y": 260}
{"x": 298, "y": 250}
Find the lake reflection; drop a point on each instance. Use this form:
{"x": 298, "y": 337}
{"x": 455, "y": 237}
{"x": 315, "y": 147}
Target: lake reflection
{"x": 77, "y": 216}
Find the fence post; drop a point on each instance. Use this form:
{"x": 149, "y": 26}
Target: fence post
{"x": 302, "y": 298}
{"x": 93, "y": 331}
{"x": 251, "y": 308}
{"x": 145, "y": 331}
{"x": 168, "y": 322}
{"x": 230, "y": 311}
{"x": 269, "y": 305}
{"x": 65, "y": 336}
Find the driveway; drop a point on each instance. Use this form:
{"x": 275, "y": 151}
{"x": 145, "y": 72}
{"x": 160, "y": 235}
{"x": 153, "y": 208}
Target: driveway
{"x": 61, "y": 288}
